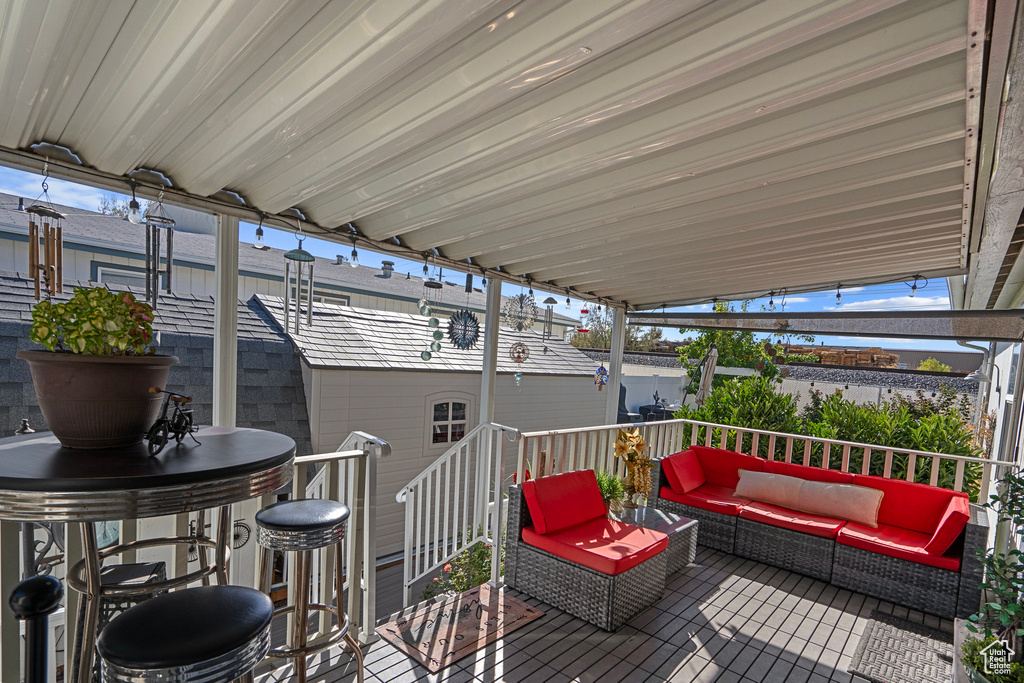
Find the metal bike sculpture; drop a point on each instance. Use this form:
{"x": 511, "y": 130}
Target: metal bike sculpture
{"x": 177, "y": 425}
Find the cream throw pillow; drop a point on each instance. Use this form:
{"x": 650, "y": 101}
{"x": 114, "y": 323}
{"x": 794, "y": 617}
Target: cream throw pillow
{"x": 840, "y": 501}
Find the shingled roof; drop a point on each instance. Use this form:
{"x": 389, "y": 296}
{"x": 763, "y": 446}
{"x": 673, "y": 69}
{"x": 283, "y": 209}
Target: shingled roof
{"x": 117, "y": 233}
{"x": 270, "y": 392}
{"x": 359, "y": 338}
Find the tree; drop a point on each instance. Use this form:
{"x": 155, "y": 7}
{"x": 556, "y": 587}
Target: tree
{"x": 737, "y": 349}
{"x": 111, "y": 205}
{"x": 934, "y": 365}
{"x": 599, "y": 334}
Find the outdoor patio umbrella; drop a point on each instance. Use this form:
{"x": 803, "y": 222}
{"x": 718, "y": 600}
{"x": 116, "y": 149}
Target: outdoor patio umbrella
{"x": 707, "y": 373}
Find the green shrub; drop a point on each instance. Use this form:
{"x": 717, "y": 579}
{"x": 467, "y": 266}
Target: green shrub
{"x": 939, "y": 425}
{"x": 933, "y": 365}
{"x": 94, "y": 322}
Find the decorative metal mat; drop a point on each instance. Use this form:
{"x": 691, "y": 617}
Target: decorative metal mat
{"x": 894, "y": 650}
{"x": 442, "y": 633}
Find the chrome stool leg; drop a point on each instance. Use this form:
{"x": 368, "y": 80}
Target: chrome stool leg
{"x": 339, "y": 587}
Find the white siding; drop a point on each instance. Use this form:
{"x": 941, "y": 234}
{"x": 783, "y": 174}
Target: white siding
{"x": 393, "y": 406}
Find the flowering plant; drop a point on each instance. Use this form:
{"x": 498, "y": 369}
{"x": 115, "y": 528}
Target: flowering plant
{"x": 632, "y": 448}
{"x": 94, "y": 322}
{"x": 467, "y": 570}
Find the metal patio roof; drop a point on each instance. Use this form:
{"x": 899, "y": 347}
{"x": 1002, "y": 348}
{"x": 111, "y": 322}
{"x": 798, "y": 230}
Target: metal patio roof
{"x": 648, "y": 152}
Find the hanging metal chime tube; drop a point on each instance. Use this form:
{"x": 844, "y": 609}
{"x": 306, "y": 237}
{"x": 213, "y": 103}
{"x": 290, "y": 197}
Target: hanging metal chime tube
{"x": 33, "y": 253}
{"x": 287, "y": 291}
{"x": 309, "y": 298}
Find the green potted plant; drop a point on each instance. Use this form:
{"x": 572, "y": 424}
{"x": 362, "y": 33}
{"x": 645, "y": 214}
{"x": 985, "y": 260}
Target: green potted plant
{"x": 94, "y": 378}
{"x": 1002, "y": 617}
{"x": 612, "y": 490}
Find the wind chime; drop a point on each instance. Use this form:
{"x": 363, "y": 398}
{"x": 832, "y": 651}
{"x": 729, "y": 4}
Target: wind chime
{"x": 520, "y": 312}
{"x": 432, "y": 294}
{"x": 46, "y": 234}
{"x": 157, "y": 221}
{"x": 303, "y": 261}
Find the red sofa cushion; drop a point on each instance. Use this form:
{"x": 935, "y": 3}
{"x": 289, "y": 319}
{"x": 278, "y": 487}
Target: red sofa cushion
{"x": 957, "y": 514}
{"x": 708, "y": 497}
{"x": 722, "y": 467}
{"x": 894, "y": 542}
{"x": 606, "y": 545}
{"x": 560, "y": 501}
{"x": 816, "y": 525}
{"x": 790, "y": 469}
{"x": 917, "y": 507}
{"x": 683, "y": 471}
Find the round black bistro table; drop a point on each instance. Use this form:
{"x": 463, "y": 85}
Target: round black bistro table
{"x": 42, "y": 481}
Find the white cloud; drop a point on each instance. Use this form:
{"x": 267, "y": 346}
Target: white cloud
{"x": 796, "y": 300}
{"x": 28, "y": 185}
{"x": 896, "y": 303}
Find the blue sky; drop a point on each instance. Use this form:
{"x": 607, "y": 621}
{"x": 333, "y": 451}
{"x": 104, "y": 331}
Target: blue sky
{"x": 895, "y": 296}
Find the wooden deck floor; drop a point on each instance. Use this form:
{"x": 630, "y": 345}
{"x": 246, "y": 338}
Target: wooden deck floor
{"x": 722, "y": 619}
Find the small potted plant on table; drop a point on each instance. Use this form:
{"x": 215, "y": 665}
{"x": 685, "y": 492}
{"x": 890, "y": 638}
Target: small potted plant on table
{"x": 93, "y": 381}
{"x": 612, "y": 490}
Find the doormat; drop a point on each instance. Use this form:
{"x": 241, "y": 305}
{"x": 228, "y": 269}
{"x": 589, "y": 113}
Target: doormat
{"x": 442, "y": 633}
{"x": 894, "y": 650}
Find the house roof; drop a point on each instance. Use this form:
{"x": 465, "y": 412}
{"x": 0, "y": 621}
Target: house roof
{"x": 650, "y": 152}
{"x": 96, "y": 229}
{"x": 175, "y": 313}
{"x": 359, "y": 338}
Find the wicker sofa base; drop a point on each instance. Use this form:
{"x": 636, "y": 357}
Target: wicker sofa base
{"x": 713, "y": 529}
{"x": 925, "y": 588}
{"x": 786, "y": 548}
{"x": 606, "y": 601}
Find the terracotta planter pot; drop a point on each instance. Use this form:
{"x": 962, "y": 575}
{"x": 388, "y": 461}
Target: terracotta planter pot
{"x": 98, "y": 401}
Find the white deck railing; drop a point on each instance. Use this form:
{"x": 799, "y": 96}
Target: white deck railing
{"x": 455, "y": 503}
{"x": 565, "y": 450}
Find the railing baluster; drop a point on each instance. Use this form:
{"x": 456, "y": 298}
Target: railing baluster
{"x": 887, "y": 470}
{"x": 789, "y": 449}
{"x": 826, "y": 456}
{"x": 725, "y": 437}
{"x": 755, "y": 436}
{"x": 958, "y": 484}
{"x": 911, "y": 466}
{"x": 865, "y": 463}
{"x": 771, "y": 447}
{"x": 934, "y": 478}
{"x": 807, "y": 452}
{"x": 846, "y": 458}
{"x": 694, "y": 434}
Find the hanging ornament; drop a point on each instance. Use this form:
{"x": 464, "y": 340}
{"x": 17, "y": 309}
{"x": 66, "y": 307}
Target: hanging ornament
{"x": 434, "y": 323}
{"x": 438, "y": 335}
{"x": 584, "y": 311}
{"x": 426, "y": 355}
{"x": 520, "y": 312}
{"x": 435, "y": 346}
{"x": 463, "y": 330}
{"x": 519, "y": 352}
{"x": 601, "y": 377}
{"x": 519, "y": 378}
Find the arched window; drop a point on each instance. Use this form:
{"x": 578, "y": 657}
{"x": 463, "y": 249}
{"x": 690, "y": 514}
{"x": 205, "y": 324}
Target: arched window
{"x": 449, "y": 420}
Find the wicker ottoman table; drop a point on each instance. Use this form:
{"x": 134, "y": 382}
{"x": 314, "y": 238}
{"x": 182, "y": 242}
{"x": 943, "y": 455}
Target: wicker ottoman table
{"x": 681, "y": 532}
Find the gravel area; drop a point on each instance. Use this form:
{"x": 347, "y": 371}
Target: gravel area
{"x": 862, "y": 376}
{"x": 903, "y": 380}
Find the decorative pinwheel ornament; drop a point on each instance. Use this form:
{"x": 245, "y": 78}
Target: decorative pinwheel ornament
{"x": 601, "y": 377}
{"x": 520, "y": 312}
{"x": 463, "y": 330}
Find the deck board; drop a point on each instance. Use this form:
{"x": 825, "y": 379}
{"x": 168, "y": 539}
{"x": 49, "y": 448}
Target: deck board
{"x": 723, "y": 618}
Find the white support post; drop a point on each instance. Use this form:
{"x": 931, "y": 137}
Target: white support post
{"x": 10, "y": 575}
{"x": 488, "y": 375}
{"x": 225, "y": 359}
{"x": 618, "y": 343}
{"x": 225, "y": 323}
{"x": 1008, "y": 446}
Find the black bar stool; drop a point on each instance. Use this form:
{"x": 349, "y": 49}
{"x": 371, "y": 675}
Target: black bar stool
{"x": 213, "y": 634}
{"x": 302, "y": 526}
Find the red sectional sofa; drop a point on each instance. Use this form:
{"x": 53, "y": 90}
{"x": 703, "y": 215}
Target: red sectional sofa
{"x": 561, "y": 547}
{"x": 921, "y": 554}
